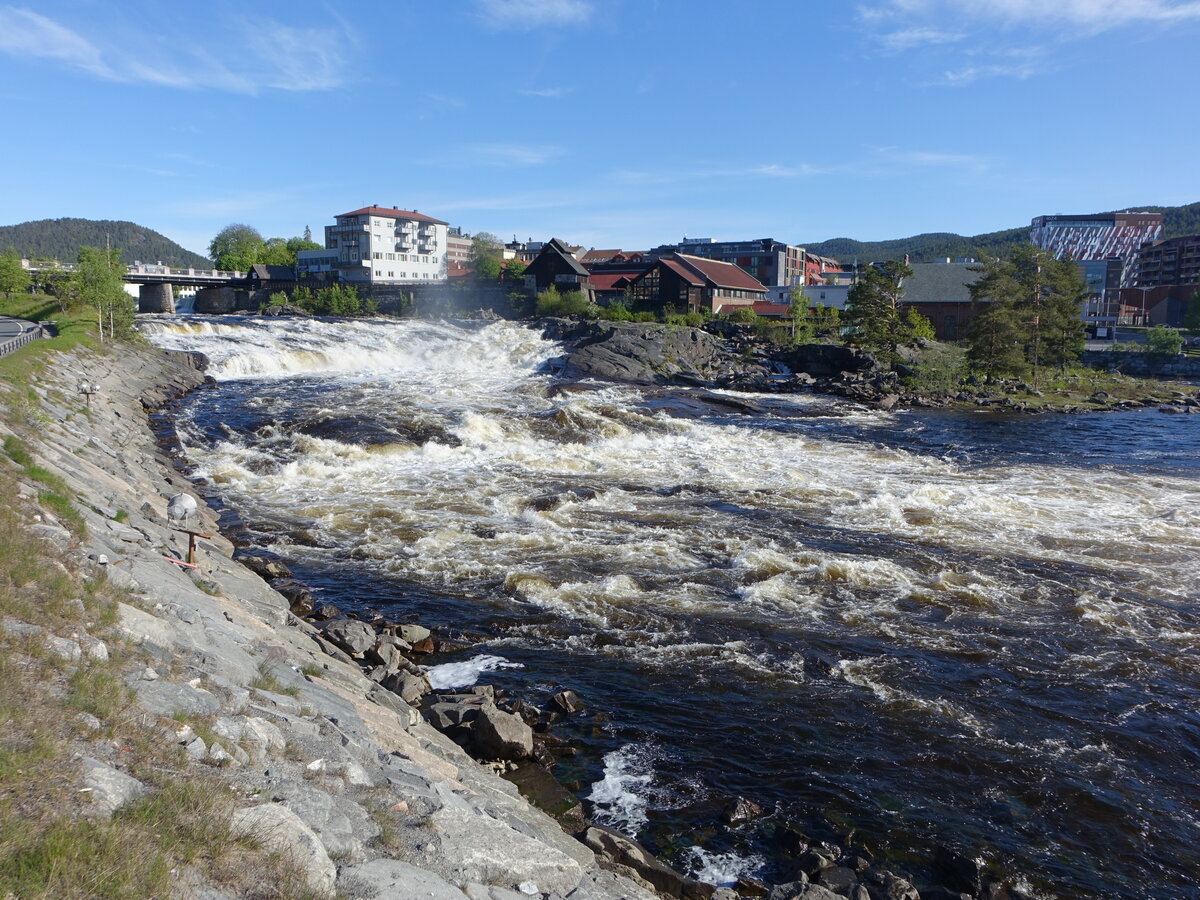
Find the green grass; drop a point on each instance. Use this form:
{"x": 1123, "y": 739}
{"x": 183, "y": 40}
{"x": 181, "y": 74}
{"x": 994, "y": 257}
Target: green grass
{"x": 266, "y": 681}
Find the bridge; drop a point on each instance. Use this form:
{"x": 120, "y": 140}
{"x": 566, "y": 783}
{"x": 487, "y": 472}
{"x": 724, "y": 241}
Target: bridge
{"x": 157, "y": 281}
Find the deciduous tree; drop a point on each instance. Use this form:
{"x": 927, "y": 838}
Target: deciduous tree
{"x": 236, "y": 248}
{"x": 98, "y": 282}
{"x": 13, "y": 276}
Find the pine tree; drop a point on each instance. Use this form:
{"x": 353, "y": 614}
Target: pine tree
{"x": 1028, "y": 313}
{"x": 873, "y": 309}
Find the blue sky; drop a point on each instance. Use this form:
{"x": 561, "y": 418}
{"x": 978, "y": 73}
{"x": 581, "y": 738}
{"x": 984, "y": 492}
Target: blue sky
{"x": 610, "y": 123}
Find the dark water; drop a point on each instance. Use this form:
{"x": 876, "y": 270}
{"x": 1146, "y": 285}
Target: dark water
{"x": 936, "y": 628}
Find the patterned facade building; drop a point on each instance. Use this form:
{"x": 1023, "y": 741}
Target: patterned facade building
{"x": 1099, "y": 237}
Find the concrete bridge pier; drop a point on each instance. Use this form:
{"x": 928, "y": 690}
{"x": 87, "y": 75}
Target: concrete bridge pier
{"x": 156, "y": 298}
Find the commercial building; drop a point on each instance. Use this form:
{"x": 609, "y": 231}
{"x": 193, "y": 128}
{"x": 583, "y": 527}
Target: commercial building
{"x": 771, "y": 262}
{"x": 380, "y": 245}
{"x": 1115, "y": 236}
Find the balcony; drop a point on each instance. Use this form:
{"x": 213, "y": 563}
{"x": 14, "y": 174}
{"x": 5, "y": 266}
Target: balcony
{"x": 347, "y": 229}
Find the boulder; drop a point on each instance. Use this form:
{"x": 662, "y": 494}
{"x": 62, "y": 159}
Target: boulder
{"x": 166, "y": 698}
{"x": 616, "y": 849}
{"x": 568, "y": 702}
{"x": 412, "y": 633}
{"x": 324, "y": 612}
{"x": 800, "y": 890}
{"x": 298, "y": 596}
{"x": 957, "y": 872}
{"x": 278, "y": 830}
{"x": 741, "y": 810}
{"x": 265, "y": 567}
{"x": 828, "y": 360}
{"x": 109, "y": 789}
{"x": 351, "y": 635}
{"x": 499, "y": 735}
{"x": 408, "y": 686}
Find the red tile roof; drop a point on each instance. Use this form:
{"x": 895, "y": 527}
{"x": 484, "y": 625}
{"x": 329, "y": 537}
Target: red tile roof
{"x": 410, "y": 214}
{"x": 764, "y": 308}
{"x": 722, "y": 274}
{"x": 594, "y": 256}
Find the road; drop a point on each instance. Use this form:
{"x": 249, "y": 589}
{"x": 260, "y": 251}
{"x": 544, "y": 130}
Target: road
{"x": 16, "y": 333}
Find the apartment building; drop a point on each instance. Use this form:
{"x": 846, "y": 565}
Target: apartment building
{"x": 380, "y": 245}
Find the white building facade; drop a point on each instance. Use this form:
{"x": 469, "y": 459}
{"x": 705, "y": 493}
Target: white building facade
{"x": 381, "y": 245}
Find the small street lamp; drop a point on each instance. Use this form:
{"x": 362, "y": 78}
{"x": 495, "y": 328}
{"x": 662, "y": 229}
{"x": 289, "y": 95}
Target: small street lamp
{"x": 87, "y": 388}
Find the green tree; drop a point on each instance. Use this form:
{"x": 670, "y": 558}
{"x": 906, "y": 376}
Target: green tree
{"x": 873, "y": 309}
{"x": 1163, "y": 341}
{"x": 743, "y": 315}
{"x": 98, "y": 283}
{"x": 1191, "y": 316}
{"x": 802, "y": 326}
{"x": 13, "y": 276}
{"x": 338, "y": 300}
{"x": 514, "y": 270}
{"x": 918, "y": 326}
{"x": 1028, "y": 313}
{"x": 486, "y": 255}
{"x": 236, "y": 248}
{"x": 826, "y": 320}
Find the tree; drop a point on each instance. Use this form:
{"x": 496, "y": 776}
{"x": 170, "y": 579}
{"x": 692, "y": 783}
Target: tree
{"x": 743, "y": 315}
{"x": 802, "y": 330}
{"x": 1028, "y": 313}
{"x": 308, "y": 237}
{"x": 486, "y": 254}
{"x": 514, "y": 270}
{"x": 13, "y": 276}
{"x": 873, "y": 309}
{"x": 236, "y": 248}
{"x": 98, "y": 282}
{"x": 918, "y": 326}
{"x": 1191, "y": 316}
{"x": 826, "y": 320}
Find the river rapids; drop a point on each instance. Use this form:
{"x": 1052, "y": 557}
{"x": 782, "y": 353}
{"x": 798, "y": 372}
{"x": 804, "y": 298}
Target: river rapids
{"x": 939, "y": 628}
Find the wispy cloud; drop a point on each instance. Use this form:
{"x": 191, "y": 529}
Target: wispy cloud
{"x": 1089, "y": 15}
{"x": 523, "y": 15}
{"x": 515, "y": 154}
{"x": 551, "y": 92}
{"x": 26, "y": 33}
{"x": 292, "y": 59}
{"x": 908, "y": 38}
{"x": 930, "y": 159}
{"x": 965, "y": 75}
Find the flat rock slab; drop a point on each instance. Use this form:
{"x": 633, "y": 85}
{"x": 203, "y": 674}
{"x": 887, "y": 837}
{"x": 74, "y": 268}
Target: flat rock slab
{"x": 390, "y": 879}
{"x": 165, "y": 698}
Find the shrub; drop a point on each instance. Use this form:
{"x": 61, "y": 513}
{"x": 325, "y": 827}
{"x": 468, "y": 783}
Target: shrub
{"x": 616, "y": 312}
{"x": 743, "y": 315}
{"x": 1162, "y": 341}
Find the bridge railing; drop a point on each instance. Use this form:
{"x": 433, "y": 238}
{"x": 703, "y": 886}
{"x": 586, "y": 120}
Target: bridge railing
{"x": 28, "y": 335}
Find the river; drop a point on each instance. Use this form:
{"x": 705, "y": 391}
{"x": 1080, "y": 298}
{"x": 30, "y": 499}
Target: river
{"x": 970, "y": 629}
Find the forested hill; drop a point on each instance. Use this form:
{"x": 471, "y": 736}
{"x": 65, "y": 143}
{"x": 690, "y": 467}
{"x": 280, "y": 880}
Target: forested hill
{"x": 61, "y": 239}
{"x": 1177, "y": 221}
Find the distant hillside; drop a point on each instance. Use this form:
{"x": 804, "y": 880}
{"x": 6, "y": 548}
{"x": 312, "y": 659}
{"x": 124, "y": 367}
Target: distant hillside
{"x": 61, "y": 239}
{"x": 1177, "y": 221}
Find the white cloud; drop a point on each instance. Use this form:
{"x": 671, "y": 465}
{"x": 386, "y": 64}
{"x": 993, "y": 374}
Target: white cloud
{"x": 263, "y": 54}
{"x": 774, "y": 170}
{"x": 552, "y": 93}
{"x": 932, "y": 159}
{"x": 516, "y": 154}
{"x": 526, "y": 14}
{"x": 965, "y": 75}
{"x": 908, "y": 38}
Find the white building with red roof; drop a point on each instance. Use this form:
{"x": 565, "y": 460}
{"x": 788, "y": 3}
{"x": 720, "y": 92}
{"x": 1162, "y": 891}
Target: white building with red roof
{"x": 381, "y": 245}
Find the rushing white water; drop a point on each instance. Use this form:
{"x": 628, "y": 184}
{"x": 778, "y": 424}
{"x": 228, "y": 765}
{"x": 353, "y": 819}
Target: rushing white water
{"x": 727, "y": 547}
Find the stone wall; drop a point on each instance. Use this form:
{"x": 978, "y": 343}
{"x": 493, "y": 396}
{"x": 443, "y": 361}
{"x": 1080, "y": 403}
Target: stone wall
{"x": 1144, "y": 365}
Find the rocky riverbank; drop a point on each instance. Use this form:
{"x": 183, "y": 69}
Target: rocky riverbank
{"x": 334, "y": 772}
{"x": 729, "y": 356}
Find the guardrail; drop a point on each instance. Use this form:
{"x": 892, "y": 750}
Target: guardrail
{"x": 30, "y": 333}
